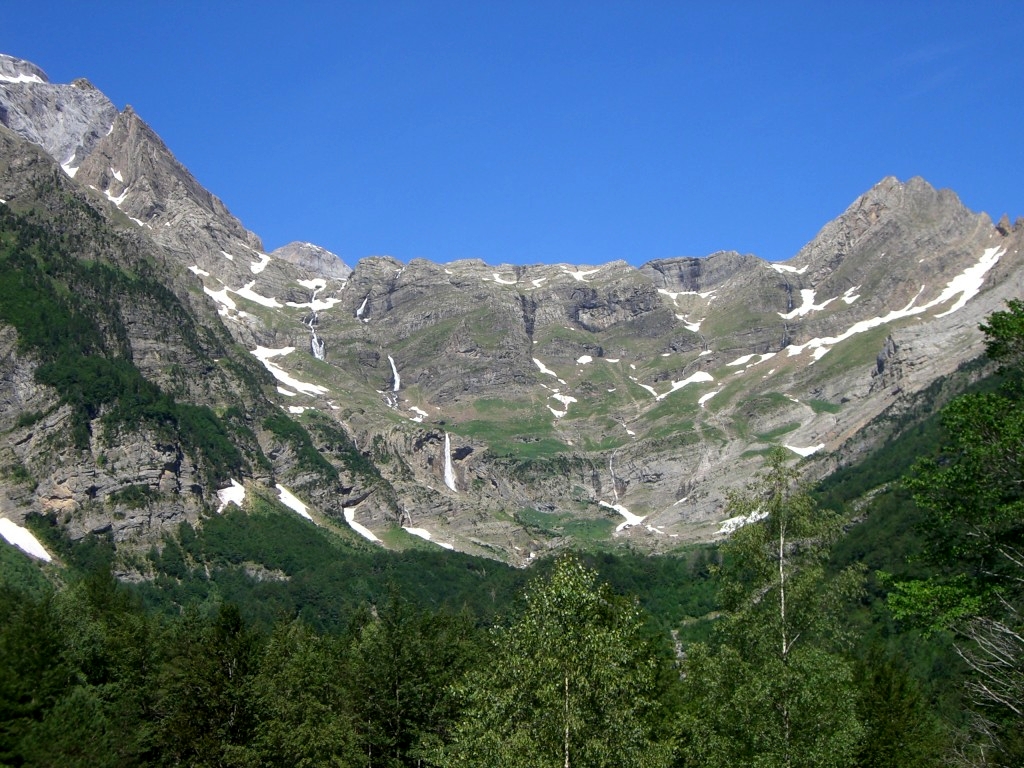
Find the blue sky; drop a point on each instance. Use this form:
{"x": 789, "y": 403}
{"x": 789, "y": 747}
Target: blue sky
{"x": 578, "y": 132}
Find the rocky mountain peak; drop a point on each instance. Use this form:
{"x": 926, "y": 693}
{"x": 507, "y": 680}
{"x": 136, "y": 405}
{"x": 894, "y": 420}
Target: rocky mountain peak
{"x": 314, "y": 258}
{"x": 627, "y": 401}
{"x": 14, "y": 70}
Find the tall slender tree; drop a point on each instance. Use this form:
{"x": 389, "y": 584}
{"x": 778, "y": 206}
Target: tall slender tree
{"x": 774, "y": 690}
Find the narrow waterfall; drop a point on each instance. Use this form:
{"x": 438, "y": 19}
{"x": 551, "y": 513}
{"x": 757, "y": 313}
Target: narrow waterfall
{"x": 394, "y": 370}
{"x": 317, "y": 345}
{"x": 449, "y": 472}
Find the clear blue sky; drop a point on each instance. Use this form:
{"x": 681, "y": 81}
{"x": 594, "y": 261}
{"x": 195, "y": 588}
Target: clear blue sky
{"x": 555, "y": 131}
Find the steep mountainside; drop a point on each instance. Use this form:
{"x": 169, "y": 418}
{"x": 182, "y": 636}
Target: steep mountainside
{"x": 500, "y": 410}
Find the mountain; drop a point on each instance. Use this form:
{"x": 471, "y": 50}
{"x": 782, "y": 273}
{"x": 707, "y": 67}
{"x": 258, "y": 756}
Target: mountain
{"x": 499, "y": 410}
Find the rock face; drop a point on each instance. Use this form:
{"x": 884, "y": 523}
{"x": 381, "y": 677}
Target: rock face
{"x": 314, "y": 258}
{"x": 505, "y": 409}
{"x": 68, "y": 121}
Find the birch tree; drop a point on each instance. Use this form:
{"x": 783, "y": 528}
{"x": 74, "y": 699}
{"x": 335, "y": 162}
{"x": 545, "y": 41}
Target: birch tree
{"x": 570, "y": 684}
{"x": 773, "y": 690}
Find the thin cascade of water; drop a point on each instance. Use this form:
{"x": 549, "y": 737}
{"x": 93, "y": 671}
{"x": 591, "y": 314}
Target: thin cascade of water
{"x": 449, "y": 471}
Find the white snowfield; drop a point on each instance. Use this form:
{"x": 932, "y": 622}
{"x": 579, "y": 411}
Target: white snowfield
{"x": 23, "y": 539}
{"x": 263, "y": 354}
{"x": 233, "y": 494}
{"x": 699, "y": 376}
{"x": 704, "y": 398}
{"x": 807, "y": 305}
{"x": 291, "y": 501}
{"x": 362, "y": 530}
{"x": 805, "y": 451}
{"x": 630, "y": 518}
{"x": 247, "y": 292}
{"x": 545, "y": 370}
{"x": 258, "y": 266}
{"x": 580, "y": 274}
{"x": 965, "y": 285}
{"x": 21, "y": 77}
{"x": 735, "y": 523}
{"x": 424, "y": 534}
{"x": 786, "y": 268}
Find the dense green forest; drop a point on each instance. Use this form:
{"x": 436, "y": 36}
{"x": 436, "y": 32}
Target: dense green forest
{"x": 872, "y": 620}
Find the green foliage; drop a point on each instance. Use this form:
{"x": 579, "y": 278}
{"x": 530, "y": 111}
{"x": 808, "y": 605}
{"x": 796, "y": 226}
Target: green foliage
{"x": 403, "y": 666}
{"x": 68, "y": 313}
{"x": 133, "y": 496}
{"x": 775, "y": 690}
{"x": 570, "y": 682}
{"x": 301, "y": 703}
{"x": 973, "y": 497}
{"x": 309, "y": 458}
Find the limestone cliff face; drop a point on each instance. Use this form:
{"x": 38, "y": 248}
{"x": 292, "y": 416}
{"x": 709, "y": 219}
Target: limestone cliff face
{"x": 314, "y": 258}
{"x": 467, "y": 399}
{"x": 68, "y": 121}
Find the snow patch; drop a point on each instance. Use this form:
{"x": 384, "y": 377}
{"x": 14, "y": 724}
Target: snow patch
{"x": 786, "y": 268}
{"x": 424, "y": 534}
{"x": 22, "y": 77}
{"x": 581, "y": 274}
{"x": 286, "y": 392}
{"x": 704, "y": 398}
{"x": 584, "y": 359}
{"x": 362, "y": 530}
{"x": 23, "y": 539}
{"x": 807, "y": 305}
{"x": 195, "y": 270}
{"x": 630, "y": 518}
{"x": 735, "y": 523}
{"x": 292, "y": 502}
{"x": 221, "y": 297}
{"x": 246, "y": 292}
{"x": 741, "y": 360}
{"x": 699, "y": 376}
{"x": 967, "y": 285}
{"x": 234, "y": 494}
{"x": 498, "y": 279}
{"x": 258, "y": 266}
{"x": 118, "y": 199}
{"x": 805, "y": 451}
{"x": 544, "y": 369}
{"x": 263, "y": 354}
